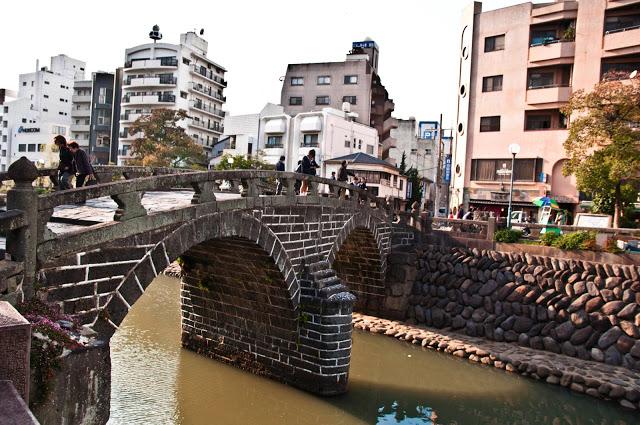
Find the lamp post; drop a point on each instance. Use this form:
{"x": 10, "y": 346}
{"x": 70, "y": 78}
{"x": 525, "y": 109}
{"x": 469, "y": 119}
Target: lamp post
{"x": 514, "y": 149}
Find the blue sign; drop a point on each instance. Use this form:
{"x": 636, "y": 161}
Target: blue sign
{"x": 21, "y": 129}
{"x": 428, "y": 130}
{"x": 363, "y": 44}
{"x": 447, "y": 169}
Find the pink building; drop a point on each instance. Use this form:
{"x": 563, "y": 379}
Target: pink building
{"x": 518, "y": 67}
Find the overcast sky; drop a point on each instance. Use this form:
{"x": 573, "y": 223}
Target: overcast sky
{"x": 254, "y": 41}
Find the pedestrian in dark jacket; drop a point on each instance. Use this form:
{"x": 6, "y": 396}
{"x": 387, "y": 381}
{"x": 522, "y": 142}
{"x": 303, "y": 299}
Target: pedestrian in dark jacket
{"x": 343, "y": 176}
{"x": 82, "y": 164}
{"x": 279, "y": 167}
{"x": 309, "y": 166}
{"x": 65, "y": 164}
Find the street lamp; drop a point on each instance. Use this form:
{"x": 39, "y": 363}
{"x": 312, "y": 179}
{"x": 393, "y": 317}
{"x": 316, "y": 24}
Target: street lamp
{"x": 514, "y": 149}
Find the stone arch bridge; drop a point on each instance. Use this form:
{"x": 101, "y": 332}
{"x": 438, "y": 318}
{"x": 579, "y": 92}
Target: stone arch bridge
{"x": 269, "y": 281}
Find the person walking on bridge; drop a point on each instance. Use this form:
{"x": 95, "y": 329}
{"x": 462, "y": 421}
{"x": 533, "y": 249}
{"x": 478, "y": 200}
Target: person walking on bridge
{"x": 343, "y": 176}
{"x": 65, "y": 164}
{"x": 84, "y": 170}
{"x": 309, "y": 166}
{"x": 279, "y": 167}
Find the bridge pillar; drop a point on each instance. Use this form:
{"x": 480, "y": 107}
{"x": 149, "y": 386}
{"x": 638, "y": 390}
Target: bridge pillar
{"x": 22, "y": 243}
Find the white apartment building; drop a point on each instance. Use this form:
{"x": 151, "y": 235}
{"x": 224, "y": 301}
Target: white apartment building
{"x": 6, "y": 96}
{"x": 81, "y": 113}
{"x": 41, "y": 111}
{"x": 330, "y": 132}
{"x": 177, "y": 77}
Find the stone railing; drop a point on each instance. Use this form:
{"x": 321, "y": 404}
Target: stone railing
{"x": 470, "y": 229}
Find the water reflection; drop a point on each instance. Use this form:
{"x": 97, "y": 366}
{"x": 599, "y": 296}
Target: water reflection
{"x": 154, "y": 381}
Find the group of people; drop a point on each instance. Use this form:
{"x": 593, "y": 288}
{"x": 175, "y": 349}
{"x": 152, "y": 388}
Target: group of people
{"x": 73, "y": 162}
{"x": 460, "y": 214}
{"x": 308, "y": 165}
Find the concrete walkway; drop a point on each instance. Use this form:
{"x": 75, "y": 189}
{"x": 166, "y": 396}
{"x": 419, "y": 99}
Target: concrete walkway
{"x": 595, "y": 379}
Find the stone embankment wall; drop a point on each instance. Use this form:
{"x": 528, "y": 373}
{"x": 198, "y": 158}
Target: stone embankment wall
{"x": 577, "y": 308}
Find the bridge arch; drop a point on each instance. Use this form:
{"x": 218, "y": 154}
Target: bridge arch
{"x": 359, "y": 258}
{"x": 238, "y": 225}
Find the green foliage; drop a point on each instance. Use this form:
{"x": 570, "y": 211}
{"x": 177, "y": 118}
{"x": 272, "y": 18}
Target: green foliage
{"x": 241, "y": 162}
{"x": 604, "y": 202}
{"x": 403, "y": 163}
{"x": 163, "y": 143}
{"x": 416, "y": 185}
{"x": 507, "y": 235}
{"x": 576, "y": 240}
{"x": 603, "y": 143}
{"x": 549, "y": 238}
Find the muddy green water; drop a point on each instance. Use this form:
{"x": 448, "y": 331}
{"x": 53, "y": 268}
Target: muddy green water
{"x": 156, "y": 382}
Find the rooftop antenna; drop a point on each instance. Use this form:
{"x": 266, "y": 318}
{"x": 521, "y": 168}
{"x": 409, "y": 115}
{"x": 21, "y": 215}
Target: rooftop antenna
{"x": 155, "y": 34}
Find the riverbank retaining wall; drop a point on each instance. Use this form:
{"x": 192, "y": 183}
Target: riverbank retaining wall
{"x": 574, "y": 307}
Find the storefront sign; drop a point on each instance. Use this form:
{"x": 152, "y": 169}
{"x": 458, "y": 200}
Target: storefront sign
{"x": 447, "y": 169}
{"x": 21, "y": 129}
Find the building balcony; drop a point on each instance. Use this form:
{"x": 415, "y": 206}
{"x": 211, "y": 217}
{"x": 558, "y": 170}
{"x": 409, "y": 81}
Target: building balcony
{"x": 548, "y": 94}
{"x": 208, "y": 92}
{"x": 552, "y": 50}
{"x": 163, "y": 81}
{"x": 80, "y": 128}
{"x": 163, "y": 63}
{"x": 212, "y": 127}
{"x": 151, "y": 99}
{"x": 80, "y": 112}
{"x": 622, "y": 38}
{"x": 389, "y": 124}
{"x": 208, "y": 75}
{"x": 207, "y": 109}
{"x": 554, "y": 11}
{"x": 126, "y": 117}
{"x": 81, "y": 98}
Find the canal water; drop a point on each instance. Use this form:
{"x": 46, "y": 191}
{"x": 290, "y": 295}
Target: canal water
{"x": 156, "y": 382}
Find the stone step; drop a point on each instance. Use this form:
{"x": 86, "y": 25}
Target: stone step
{"x": 324, "y": 273}
{"x": 332, "y": 290}
{"x": 318, "y": 266}
{"x": 323, "y": 283}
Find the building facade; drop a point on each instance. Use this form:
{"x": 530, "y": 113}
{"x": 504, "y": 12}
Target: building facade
{"x": 96, "y": 115}
{"x": 6, "y": 96}
{"x": 313, "y": 86}
{"x": 177, "y": 77}
{"x": 518, "y": 67}
{"x": 42, "y": 110}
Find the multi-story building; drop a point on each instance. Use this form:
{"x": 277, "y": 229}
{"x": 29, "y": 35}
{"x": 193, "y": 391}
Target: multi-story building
{"x": 42, "y": 110}
{"x": 313, "y": 86}
{"x": 177, "y": 77}
{"x": 518, "y": 67}
{"x": 330, "y": 132}
{"x": 6, "y": 96}
{"x": 95, "y": 116}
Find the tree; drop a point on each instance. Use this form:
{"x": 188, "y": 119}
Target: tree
{"x": 416, "y": 185}
{"x": 604, "y": 140}
{"x": 162, "y": 143}
{"x": 403, "y": 163}
{"x": 241, "y": 162}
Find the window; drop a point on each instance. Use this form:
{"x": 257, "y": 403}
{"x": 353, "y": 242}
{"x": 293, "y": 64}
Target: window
{"x": 274, "y": 142}
{"x": 487, "y": 169}
{"x": 490, "y": 123}
{"x": 370, "y": 149}
{"x": 183, "y": 94}
{"x": 492, "y": 44}
{"x": 46, "y": 82}
{"x": 545, "y": 120}
{"x": 295, "y": 100}
{"x": 360, "y": 144}
{"x": 400, "y": 184}
{"x": 24, "y": 83}
{"x": 310, "y": 140}
{"x": 31, "y": 147}
{"x": 427, "y": 151}
{"x": 493, "y": 83}
{"x": 46, "y": 96}
{"x": 324, "y": 80}
{"x": 22, "y": 147}
{"x": 104, "y": 117}
{"x": 4, "y": 152}
{"x": 349, "y": 99}
{"x": 297, "y": 81}
{"x": 186, "y": 61}
{"x": 347, "y": 143}
{"x": 45, "y": 110}
{"x": 538, "y": 80}
{"x": 24, "y": 120}
{"x": 351, "y": 79}
{"x": 322, "y": 100}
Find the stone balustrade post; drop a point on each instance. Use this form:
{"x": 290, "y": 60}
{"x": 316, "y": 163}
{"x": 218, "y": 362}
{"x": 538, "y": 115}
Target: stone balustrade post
{"x": 129, "y": 206}
{"x": 491, "y": 228}
{"x": 15, "y": 345}
{"x": 204, "y": 192}
{"x": 22, "y": 243}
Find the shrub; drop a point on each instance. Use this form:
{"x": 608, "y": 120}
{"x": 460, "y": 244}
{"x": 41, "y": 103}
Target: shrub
{"x": 507, "y": 235}
{"x": 576, "y": 240}
{"x": 549, "y": 238}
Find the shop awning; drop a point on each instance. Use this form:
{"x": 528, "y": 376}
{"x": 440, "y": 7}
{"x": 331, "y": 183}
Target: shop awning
{"x": 501, "y": 203}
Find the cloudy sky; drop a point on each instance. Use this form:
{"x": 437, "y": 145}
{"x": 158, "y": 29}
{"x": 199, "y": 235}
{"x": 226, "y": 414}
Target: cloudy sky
{"x": 254, "y": 40}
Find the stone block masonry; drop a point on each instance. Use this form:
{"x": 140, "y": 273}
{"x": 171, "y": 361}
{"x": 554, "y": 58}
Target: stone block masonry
{"x": 15, "y": 345}
{"x": 577, "y": 308}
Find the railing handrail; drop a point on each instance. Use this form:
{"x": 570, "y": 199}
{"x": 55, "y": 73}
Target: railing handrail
{"x": 548, "y": 86}
{"x": 184, "y": 178}
{"x": 633, "y": 27}
{"x": 570, "y": 228}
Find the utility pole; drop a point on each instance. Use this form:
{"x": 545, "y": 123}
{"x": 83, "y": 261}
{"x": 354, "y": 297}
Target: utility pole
{"x": 438, "y": 170}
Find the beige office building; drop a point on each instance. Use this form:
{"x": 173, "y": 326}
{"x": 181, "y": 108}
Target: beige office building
{"x": 311, "y": 87}
{"x": 518, "y": 66}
